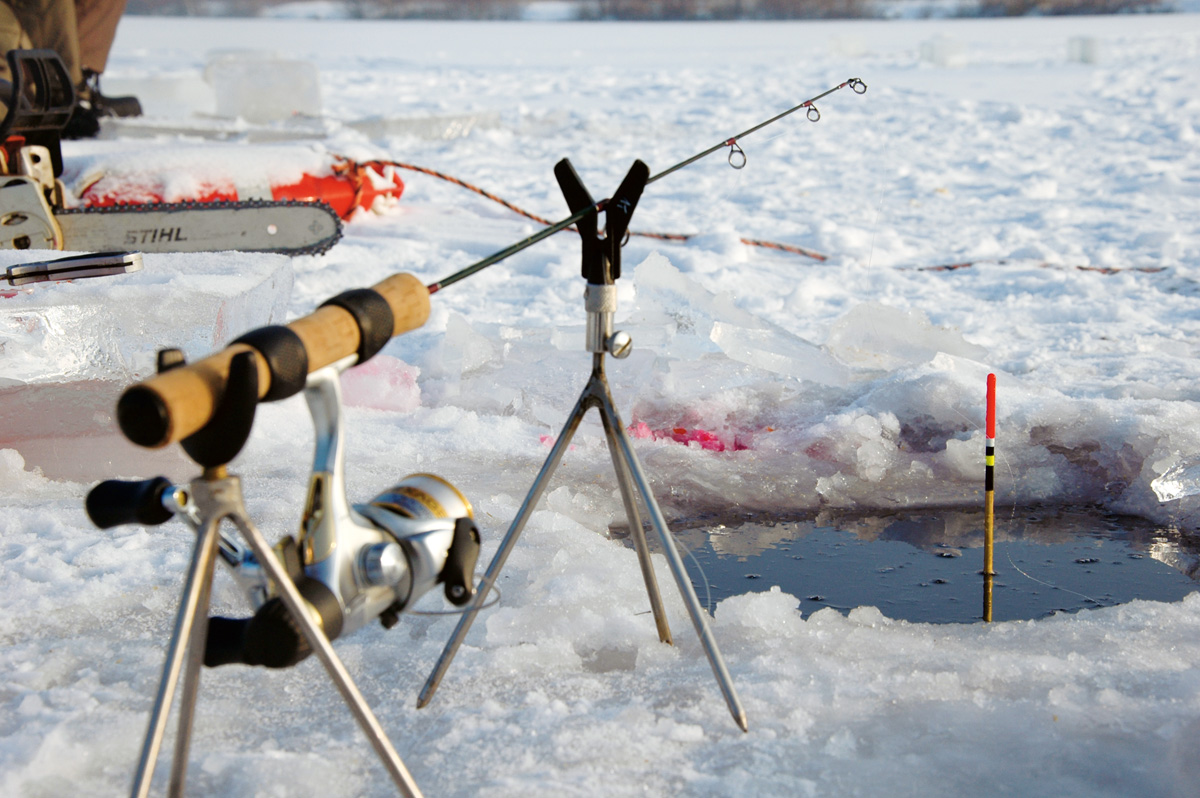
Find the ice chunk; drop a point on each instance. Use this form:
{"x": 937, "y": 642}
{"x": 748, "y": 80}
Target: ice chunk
{"x": 780, "y": 352}
{"x": 462, "y": 350}
{"x": 676, "y": 311}
{"x": 692, "y": 321}
{"x": 67, "y": 350}
{"x": 110, "y": 328}
{"x": 261, "y": 87}
{"x": 873, "y": 335}
{"x": 439, "y": 127}
{"x": 1179, "y": 481}
{"x": 1084, "y": 50}
{"x": 944, "y": 51}
{"x": 383, "y": 383}
{"x": 166, "y": 95}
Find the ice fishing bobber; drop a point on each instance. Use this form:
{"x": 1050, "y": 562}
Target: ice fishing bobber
{"x": 989, "y": 478}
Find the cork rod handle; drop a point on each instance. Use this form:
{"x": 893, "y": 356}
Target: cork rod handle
{"x": 174, "y": 404}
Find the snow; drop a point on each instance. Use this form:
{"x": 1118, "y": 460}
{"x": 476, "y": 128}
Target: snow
{"x": 1072, "y": 188}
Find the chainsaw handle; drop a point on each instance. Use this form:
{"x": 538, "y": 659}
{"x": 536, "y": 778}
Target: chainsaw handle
{"x": 175, "y": 403}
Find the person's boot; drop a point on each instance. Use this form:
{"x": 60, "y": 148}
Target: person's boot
{"x": 91, "y": 104}
{"x": 108, "y": 106}
{"x": 83, "y": 124}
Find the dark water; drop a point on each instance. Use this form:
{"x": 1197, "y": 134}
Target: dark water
{"x": 927, "y": 566}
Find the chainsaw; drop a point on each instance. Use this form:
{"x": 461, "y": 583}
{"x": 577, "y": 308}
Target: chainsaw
{"x": 33, "y": 212}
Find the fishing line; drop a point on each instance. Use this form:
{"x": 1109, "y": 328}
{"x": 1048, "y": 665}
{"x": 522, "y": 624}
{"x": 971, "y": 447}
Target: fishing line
{"x": 703, "y": 575}
{"x": 460, "y": 610}
{"x": 699, "y": 567}
{"x": 878, "y": 207}
{"x": 1052, "y": 586}
{"x": 1008, "y": 555}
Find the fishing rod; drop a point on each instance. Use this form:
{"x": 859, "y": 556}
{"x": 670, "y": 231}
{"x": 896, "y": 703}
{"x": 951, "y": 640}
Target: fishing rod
{"x": 176, "y": 403}
{"x": 737, "y": 159}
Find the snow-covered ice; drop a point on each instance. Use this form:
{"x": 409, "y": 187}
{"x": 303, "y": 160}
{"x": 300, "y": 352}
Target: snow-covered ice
{"x": 1070, "y": 187}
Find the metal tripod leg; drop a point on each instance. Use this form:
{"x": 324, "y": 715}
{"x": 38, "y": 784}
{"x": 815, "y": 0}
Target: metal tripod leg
{"x": 604, "y": 405}
{"x": 191, "y": 688}
{"x": 677, "y": 570}
{"x": 506, "y": 545}
{"x": 333, "y": 665}
{"x": 193, "y": 604}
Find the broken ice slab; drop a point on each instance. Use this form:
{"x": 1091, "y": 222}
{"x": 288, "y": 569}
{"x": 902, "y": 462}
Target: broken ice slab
{"x": 433, "y": 128}
{"x": 1179, "y": 481}
{"x": 68, "y": 349}
{"x": 944, "y": 51}
{"x": 211, "y": 128}
{"x": 1084, "y": 50}
{"x": 166, "y": 96}
{"x": 876, "y": 336}
{"x": 262, "y": 87}
{"x": 778, "y": 351}
{"x": 109, "y": 328}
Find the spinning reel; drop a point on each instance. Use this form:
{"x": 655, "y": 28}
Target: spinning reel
{"x": 352, "y": 564}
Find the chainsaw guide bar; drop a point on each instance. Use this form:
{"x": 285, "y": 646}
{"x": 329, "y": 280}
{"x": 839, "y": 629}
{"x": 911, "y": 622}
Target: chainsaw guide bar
{"x": 284, "y": 227}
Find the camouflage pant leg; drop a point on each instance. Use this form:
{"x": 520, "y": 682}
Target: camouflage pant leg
{"x": 45, "y": 23}
{"x": 12, "y": 37}
{"x": 97, "y": 24}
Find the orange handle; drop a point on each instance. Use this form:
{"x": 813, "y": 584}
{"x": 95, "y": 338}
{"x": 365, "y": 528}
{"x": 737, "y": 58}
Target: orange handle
{"x": 174, "y": 404}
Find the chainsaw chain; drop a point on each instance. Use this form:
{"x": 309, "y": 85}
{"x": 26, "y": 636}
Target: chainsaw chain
{"x": 317, "y": 248}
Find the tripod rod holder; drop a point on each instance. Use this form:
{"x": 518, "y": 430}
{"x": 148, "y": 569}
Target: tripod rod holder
{"x": 601, "y": 268}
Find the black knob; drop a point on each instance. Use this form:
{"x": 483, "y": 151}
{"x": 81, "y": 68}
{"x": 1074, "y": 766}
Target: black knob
{"x": 458, "y": 574}
{"x": 115, "y": 502}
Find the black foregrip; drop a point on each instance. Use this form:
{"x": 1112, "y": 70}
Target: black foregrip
{"x": 115, "y": 502}
{"x": 373, "y": 314}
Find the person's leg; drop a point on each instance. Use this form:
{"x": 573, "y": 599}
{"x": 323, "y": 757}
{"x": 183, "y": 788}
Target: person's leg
{"x": 51, "y": 24}
{"x": 12, "y": 37}
{"x": 96, "y": 21}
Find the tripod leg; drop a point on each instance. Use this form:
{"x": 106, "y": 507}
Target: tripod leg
{"x": 681, "y": 578}
{"x": 506, "y": 545}
{"x": 333, "y": 665}
{"x": 191, "y": 687}
{"x": 195, "y": 593}
{"x": 635, "y": 526}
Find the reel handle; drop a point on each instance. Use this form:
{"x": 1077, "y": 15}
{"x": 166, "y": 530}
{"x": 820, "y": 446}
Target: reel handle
{"x": 115, "y": 502}
{"x": 458, "y": 574}
{"x": 176, "y": 403}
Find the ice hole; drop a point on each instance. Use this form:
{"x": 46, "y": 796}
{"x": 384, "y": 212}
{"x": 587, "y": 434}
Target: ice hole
{"x": 926, "y": 566}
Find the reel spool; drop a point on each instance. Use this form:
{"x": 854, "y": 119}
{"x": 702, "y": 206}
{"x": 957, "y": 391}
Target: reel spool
{"x": 424, "y": 496}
